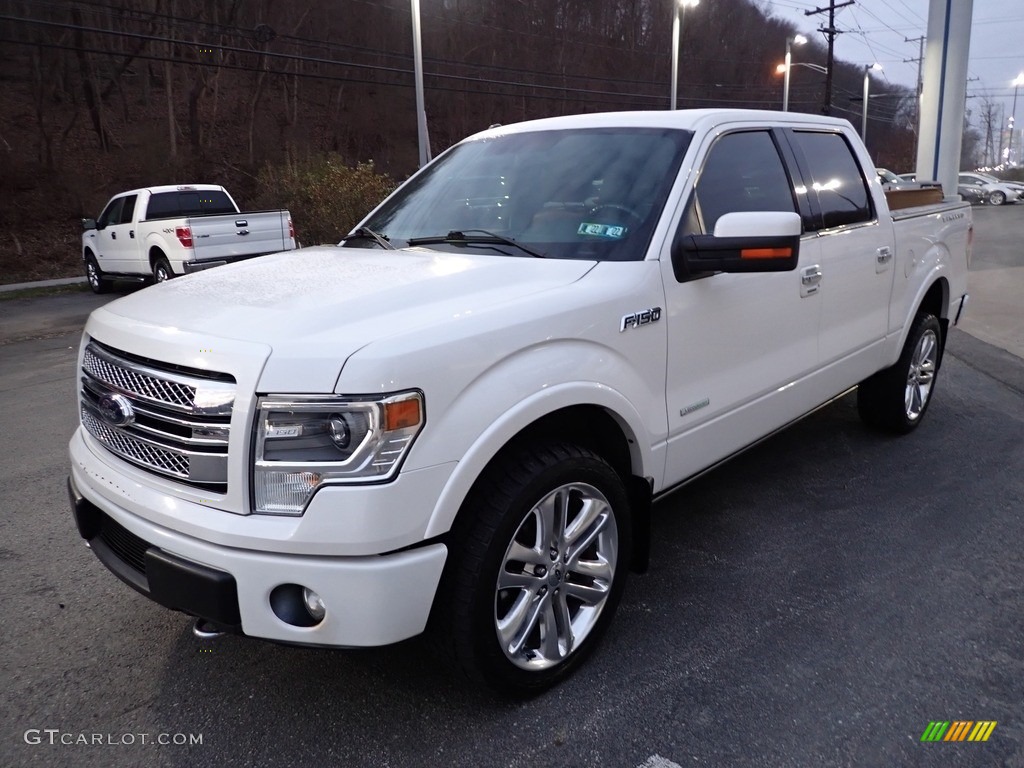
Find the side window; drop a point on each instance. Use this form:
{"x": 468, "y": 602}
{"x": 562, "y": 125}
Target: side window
{"x": 163, "y": 205}
{"x": 111, "y": 214}
{"x": 836, "y": 178}
{"x": 128, "y": 210}
{"x": 743, "y": 172}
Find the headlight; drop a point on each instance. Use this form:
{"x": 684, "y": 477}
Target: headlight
{"x": 305, "y": 442}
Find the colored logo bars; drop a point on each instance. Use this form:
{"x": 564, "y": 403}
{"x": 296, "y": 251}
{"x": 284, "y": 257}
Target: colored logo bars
{"x": 958, "y": 730}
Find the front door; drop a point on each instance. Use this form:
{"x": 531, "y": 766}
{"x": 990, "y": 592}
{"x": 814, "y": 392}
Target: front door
{"x": 739, "y": 345}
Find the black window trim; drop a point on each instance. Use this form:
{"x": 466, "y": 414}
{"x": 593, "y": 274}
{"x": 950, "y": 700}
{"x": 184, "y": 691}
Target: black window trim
{"x": 803, "y": 167}
{"x": 785, "y": 157}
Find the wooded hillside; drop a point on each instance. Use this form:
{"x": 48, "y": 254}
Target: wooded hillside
{"x": 99, "y": 96}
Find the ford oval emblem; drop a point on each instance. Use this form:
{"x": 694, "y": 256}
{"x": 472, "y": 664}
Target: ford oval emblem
{"x": 116, "y": 410}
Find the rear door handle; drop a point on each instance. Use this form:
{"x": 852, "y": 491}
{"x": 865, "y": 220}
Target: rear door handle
{"x": 113, "y": 235}
{"x": 131, "y": 233}
{"x": 883, "y": 257}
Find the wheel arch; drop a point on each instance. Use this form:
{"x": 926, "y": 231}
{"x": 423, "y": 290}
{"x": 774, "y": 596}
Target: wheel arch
{"x": 588, "y": 425}
{"x": 936, "y": 302}
{"x": 155, "y": 253}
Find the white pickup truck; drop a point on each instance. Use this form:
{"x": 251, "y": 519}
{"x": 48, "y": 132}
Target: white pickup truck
{"x": 160, "y": 232}
{"x": 457, "y": 420}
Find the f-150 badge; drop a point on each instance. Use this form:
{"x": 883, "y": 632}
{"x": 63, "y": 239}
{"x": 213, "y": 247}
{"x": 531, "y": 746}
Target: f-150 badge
{"x": 636, "y": 319}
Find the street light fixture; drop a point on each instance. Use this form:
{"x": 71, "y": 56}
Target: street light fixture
{"x": 795, "y": 40}
{"x": 1013, "y": 117}
{"x": 677, "y": 20}
{"x": 864, "y": 109}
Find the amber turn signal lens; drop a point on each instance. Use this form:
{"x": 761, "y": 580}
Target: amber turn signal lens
{"x": 401, "y": 414}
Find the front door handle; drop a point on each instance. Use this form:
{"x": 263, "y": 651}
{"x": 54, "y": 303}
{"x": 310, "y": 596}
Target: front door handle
{"x": 131, "y": 233}
{"x": 113, "y": 235}
{"x": 810, "y": 280}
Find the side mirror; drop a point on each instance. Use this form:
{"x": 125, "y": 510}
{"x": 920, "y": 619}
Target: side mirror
{"x": 748, "y": 241}
{"x": 88, "y": 224}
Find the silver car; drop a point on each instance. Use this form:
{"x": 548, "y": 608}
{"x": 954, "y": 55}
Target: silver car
{"x": 996, "y": 191}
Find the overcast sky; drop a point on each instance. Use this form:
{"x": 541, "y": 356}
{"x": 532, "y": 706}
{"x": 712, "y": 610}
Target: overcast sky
{"x": 875, "y": 30}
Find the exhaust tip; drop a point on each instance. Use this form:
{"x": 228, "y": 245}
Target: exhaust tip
{"x": 206, "y": 630}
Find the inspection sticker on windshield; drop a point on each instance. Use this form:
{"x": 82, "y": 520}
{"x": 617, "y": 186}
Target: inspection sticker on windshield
{"x": 613, "y": 231}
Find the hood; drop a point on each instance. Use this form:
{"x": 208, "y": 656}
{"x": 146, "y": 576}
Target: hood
{"x": 314, "y": 307}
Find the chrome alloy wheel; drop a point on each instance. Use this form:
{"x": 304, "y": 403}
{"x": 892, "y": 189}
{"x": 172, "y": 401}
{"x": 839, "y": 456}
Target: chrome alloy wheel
{"x": 93, "y": 275}
{"x": 556, "y": 576}
{"x": 921, "y": 375}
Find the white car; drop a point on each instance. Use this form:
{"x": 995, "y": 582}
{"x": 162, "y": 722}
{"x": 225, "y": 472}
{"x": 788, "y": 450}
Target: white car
{"x": 996, "y": 191}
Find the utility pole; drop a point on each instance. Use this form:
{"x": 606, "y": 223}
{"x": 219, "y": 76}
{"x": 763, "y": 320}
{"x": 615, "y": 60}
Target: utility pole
{"x": 917, "y": 101}
{"x": 919, "y": 60}
{"x": 830, "y": 32}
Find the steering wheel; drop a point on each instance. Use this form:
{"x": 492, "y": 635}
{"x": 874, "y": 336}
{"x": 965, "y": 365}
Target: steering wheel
{"x": 621, "y": 208}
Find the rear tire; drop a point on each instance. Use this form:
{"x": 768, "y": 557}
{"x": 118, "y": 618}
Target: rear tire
{"x": 162, "y": 271}
{"x": 97, "y": 282}
{"x": 537, "y": 564}
{"x": 895, "y": 400}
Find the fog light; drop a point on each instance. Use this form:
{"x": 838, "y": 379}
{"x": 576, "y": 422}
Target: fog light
{"x": 314, "y": 604}
{"x": 297, "y": 605}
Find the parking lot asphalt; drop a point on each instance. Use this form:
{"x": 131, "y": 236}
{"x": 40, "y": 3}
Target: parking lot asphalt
{"x": 817, "y": 601}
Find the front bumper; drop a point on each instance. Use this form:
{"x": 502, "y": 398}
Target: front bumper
{"x": 370, "y": 601}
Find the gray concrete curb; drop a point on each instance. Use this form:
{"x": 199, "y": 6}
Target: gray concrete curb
{"x": 41, "y": 284}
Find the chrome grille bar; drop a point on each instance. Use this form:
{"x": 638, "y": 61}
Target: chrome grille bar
{"x": 171, "y": 422}
{"x": 168, "y": 388}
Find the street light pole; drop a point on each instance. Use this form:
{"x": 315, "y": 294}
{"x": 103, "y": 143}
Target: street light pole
{"x": 795, "y": 40}
{"x": 677, "y": 22}
{"x": 1013, "y": 116}
{"x": 864, "y": 111}
{"x": 421, "y": 115}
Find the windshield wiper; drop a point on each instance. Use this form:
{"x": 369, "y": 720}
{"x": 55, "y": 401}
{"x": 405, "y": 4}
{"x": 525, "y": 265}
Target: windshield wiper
{"x": 475, "y": 237}
{"x": 368, "y": 234}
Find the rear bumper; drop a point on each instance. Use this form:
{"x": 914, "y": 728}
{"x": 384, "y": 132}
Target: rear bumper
{"x": 370, "y": 601}
{"x": 188, "y": 267}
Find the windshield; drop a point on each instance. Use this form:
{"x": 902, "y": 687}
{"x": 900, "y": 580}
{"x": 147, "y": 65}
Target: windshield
{"x": 586, "y": 194}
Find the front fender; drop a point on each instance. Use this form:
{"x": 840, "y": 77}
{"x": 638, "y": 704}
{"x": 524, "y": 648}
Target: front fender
{"x": 499, "y": 404}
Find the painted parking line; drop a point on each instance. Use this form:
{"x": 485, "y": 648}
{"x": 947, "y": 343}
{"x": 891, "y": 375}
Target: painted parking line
{"x": 657, "y": 761}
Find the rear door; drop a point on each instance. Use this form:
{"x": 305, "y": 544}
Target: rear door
{"x": 856, "y": 251}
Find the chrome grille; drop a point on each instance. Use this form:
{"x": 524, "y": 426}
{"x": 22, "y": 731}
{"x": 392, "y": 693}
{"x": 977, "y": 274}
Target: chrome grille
{"x": 169, "y": 420}
{"x": 149, "y": 387}
{"x": 163, "y": 460}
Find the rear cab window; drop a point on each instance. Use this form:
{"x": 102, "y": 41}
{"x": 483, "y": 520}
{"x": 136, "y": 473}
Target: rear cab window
{"x": 193, "y": 202}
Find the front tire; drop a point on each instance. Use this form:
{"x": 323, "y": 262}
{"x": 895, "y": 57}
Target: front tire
{"x": 538, "y": 562}
{"x": 162, "y": 271}
{"x": 895, "y": 400}
{"x": 997, "y": 198}
{"x": 97, "y": 282}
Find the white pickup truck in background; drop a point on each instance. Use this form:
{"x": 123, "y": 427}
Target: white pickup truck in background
{"x": 458, "y": 420}
{"x": 160, "y": 232}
